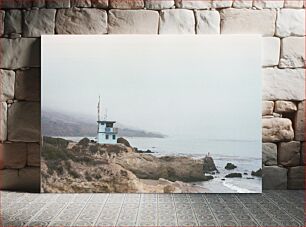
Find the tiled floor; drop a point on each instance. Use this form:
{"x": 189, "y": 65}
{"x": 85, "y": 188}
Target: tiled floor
{"x": 272, "y": 208}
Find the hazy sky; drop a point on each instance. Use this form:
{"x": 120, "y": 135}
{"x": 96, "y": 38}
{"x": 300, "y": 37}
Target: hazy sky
{"x": 206, "y": 86}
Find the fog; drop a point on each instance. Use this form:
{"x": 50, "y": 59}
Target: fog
{"x": 201, "y": 86}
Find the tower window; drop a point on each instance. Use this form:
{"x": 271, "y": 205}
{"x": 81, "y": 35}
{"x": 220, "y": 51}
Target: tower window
{"x": 114, "y": 137}
{"x": 106, "y": 137}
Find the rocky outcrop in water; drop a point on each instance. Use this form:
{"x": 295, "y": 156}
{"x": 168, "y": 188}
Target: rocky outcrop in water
{"x": 233, "y": 175}
{"x": 230, "y": 166}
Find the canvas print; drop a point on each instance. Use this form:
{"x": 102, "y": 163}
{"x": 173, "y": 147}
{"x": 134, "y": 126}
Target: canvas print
{"x": 151, "y": 114}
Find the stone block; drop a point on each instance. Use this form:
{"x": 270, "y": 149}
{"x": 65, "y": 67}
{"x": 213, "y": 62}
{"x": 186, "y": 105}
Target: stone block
{"x": 26, "y": 179}
{"x": 24, "y": 122}
{"x": 293, "y": 52}
{"x": 271, "y": 51}
{"x": 133, "y": 22}
{"x": 39, "y": 3}
{"x": 3, "y": 121}
{"x": 80, "y": 3}
{"x": 103, "y": 4}
{"x": 274, "y": 178}
{"x": 13, "y": 155}
{"x": 177, "y": 21}
{"x": 20, "y": 53}
{"x": 283, "y": 84}
{"x": 159, "y": 4}
{"x": 2, "y": 15}
{"x": 299, "y": 122}
{"x": 56, "y": 4}
{"x": 38, "y": 22}
{"x": 13, "y": 21}
{"x": 126, "y": 4}
{"x": 248, "y": 21}
{"x": 191, "y": 4}
{"x": 221, "y": 3}
{"x": 7, "y": 85}
{"x": 267, "y": 108}
{"x": 269, "y": 154}
{"x": 277, "y": 129}
{"x": 263, "y": 4}
{"x": 289, "y": 154}
{"x": 285, "y": 106}
{"x": 240, "y": 4}
{"x": 303, "y": 157}
{"x": 296, "y": 177}
{"x": 16, "y": 4}
{"x": 33, "y": 158}
{"x": 27, "y": 86}
{"x": 290, "y": 22}
{"x": 207, "y": 22}
{"x": 81, "y": 21}
{"x": 293, "y": 4}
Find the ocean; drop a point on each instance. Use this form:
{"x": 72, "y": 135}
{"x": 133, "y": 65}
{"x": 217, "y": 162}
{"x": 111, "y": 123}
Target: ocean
{"x": 246, "y": 155}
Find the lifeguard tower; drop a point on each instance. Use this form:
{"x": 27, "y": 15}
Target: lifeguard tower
{"x": 107, "y": 134}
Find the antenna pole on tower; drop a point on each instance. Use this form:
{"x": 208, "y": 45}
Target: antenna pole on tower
{"x": 99, "y": 109}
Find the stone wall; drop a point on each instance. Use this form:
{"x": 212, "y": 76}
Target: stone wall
{"x": 281, "y": 22}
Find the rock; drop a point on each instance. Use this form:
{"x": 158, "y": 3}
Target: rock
{"x": 26, "y": 179}
{"x": 38, "y": 22}
{"x": 157, "y": 5}
{"x": 233, "y": 175}
{"x": 123, "y": 141}
{"x": 209, "y": 165}
{"x": 299, "y": 122}
{"x": 81, "y": 21}
{"x": 3, "y": 121}
{"x": 271, "y": 51}
{"x": 33, "y": 156}
{"x": 230, "y": 166}
{"x": 7, "y": 81}
{"x": 290, "y": 22}
{"x": 274, "y": 178}
{"x": 257, "y": 173}
{"x": 242, "y": 4}
{"x": 283, "y": 84}
{"x": 178, "y": 21}
{"x": 285, "y": 106}
{"x": 80, "y": 3}
{"x": 221, "y": 3}
{"x": 277, "y": 129}
{"x": 267, "y": 108}
{"x": 24, "y": 122}
{"x": 84, "y": 142}
{"x": 289, "y": 153}
{"x": 13, "y": 21}
{"x": 241, "y": 21}
{"x": 20, "y": 53}
{"x": 207, "y": 22}
{"x": 133, "y": 22}
{"x": 55, "y": 4}
{"x": 245, "y": 173}
{"x": 293, "y": 52}
{"x": 262, "y": 4}
{"x": 223, "y": 179}
{"x": 15, "y": 4}
{"x": 13, "y": 155}
{"x": 126, "y": 4}
{"x": 296, "y": 178}
{"x": 99, "y": 3}
{"x": 191, "y": 4}
{"x": 250, "y": 178}
{"x": 293, "y": 4}
{"x": 269, "y": 154}
{"x": 27, "y": 86}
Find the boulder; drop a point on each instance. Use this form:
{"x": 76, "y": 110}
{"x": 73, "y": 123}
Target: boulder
{"x": 81, "y": 21}
{"x": 123, "y": 141}
{"x": 178, "y": 21}
{"x": 299, "y": 122}
{"x": 257, "y": 173}
{"x": 285, "y": 106}
{"x": 290, "y": 22}
{"x": 209, "y": 165}
{"x": 269, "y": 154}
{"x": 28, "y": 83}
{"x": 133, "y": 22}
{"x": 274, "y": 178}
{"x": 233, "y": 175}
{"x": 207, "y": 22}
{"x": 296, "y": 178}
{"x": 277, "y": 129}
{"x": 7, "y": 84}
{"x": 13, "y": 155}
{"x": 84, "y": 142}
{"x": 289, "y": 153}
{"x": 230, "y": 166}
{"x": 267, "y": 108}
{"x": 293, "y": 52}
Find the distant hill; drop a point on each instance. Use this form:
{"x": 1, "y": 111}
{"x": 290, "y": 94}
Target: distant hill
{"x": 59, "y": 124}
